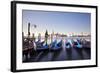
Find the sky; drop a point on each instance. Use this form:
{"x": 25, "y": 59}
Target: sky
{"x": 59, "y": 22}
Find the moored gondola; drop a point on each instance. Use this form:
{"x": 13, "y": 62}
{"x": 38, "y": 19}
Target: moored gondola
{"x": 56, "y": 46}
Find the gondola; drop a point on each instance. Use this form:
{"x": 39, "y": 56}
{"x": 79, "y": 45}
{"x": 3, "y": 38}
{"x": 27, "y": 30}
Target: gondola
{"x": 42, "y": 46}
{"x": 77, "y": 44}
{"x": 68, "y": 44}
{"x": 56, "y": 46}
{"x": 52, "y": 45}
{"x": 86, "y": 44}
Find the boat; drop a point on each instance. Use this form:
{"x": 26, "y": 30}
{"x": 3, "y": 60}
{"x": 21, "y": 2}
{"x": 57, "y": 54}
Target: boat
{"x": 53, "y": 44}
{"x": 77, "y": 44}
{"x": 86, "y": 44}
{"x": 56, "y": 46}
{"x": 68, "y": 44}
{"x": 42, "y": 46}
